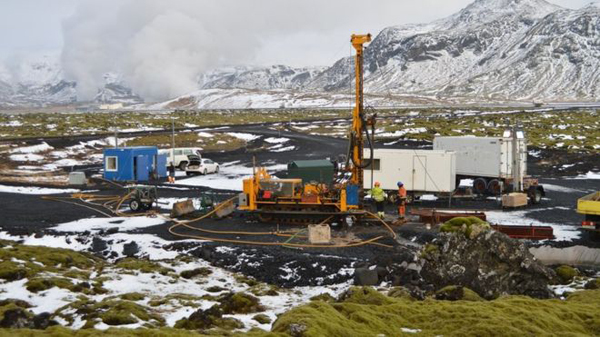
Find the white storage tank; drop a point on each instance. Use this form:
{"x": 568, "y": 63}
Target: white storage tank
{"x": 424, "y": 171}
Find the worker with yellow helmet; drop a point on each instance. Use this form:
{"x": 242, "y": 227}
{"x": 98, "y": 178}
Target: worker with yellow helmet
{"x": 378, "y": 194}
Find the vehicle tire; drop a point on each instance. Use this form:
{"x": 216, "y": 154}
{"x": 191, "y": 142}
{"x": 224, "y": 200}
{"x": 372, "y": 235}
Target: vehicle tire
{"x": 189, "y": 174}
{"x": 135, "y": 205}
{"x": 183, "y": 165}
{"x": 494, "y": 187}
{"x": 479, "y": 186}
{"x": 535, "y": 195}
{"x": 217, "y": 169}
{"x": 205, "y": 171}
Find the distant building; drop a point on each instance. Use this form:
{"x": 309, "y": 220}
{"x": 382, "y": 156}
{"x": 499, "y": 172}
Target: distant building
{"x": 111, "y": 106}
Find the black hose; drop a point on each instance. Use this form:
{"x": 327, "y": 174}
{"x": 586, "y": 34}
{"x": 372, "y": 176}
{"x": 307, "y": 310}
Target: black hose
{"x": 352, "y": 140}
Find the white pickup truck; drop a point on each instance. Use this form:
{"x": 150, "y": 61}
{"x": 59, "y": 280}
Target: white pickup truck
{"x": 181, "y": 155}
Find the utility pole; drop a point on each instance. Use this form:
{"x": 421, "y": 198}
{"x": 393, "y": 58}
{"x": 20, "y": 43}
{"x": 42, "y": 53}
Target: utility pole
{"x": 116, "y": 137}
{"x": 172, "y": 140}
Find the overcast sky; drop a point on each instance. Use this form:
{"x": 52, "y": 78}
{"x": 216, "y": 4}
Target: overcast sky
{"x": 160, "y": 47}
{"x": 35, "y": 25}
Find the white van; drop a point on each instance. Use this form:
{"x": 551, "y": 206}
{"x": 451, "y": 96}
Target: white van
{"x": 181, "y": 155}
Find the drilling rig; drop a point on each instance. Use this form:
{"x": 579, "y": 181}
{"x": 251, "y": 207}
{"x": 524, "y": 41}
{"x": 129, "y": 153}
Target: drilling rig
{"x": 297, "y": 202}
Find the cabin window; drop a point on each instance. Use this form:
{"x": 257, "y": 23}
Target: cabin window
{"x": 375, "y": 165}
{"x": 112, "y": 164}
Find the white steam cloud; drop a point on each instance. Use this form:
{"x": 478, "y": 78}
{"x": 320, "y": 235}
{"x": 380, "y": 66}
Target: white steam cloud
{"x": 160, "y": 47}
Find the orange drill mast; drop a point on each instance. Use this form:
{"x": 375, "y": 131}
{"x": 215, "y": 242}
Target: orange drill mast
{"x": 359, "y": 123}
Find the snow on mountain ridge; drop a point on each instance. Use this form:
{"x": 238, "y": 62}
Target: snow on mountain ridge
{"x": 491, "y": 50}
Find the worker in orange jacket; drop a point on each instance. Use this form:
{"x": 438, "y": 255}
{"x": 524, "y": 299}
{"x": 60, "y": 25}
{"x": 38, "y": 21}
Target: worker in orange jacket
{"x": 401, "y": 199}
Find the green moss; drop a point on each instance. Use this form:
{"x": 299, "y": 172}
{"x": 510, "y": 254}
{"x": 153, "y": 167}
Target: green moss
{"x": 262, "y": 319}
{"x": 37, "y": 259}
{"x": 215, "y": 289}
{"x": 126, "y": 312}
{"x": 111, "y": 311}
{"x": 506, "y": 316}
{"x": 262, "y": 289}
{"x": 183, "y": 299}
{"x": 144, "y": 266}
{"x": 325, "y": 297}
{"x": 11, "y": 271}
{"x": 246, "y": 280}
{"x": 77, "y": 274}
{"x": 400, "y": 292}
{"x": 457, "y": 293}
{"x": 364, "y": 295}
{"x": 207, "y": 319}
{"x": 13, "y": 304}
{"x": 203, "y": 271}
{"x": 239, "y": 303}
{"x": 470, "y": 226}
{"x": 430, "y": 250}
{"x": 566, "y": 274}
{"x": 58, "y": 331}
{"x": 593, "y": 284}
{"x": 133, "y": 297}
{"x": 43, "y": 283}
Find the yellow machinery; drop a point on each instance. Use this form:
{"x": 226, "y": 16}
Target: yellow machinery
{"x": 590, "y": 207}
{"x": 292, "y": 200}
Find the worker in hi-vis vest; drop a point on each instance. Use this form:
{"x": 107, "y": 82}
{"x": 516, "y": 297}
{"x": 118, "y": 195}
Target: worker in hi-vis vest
{"x": 401, "y": 199}
{"x": 379, "y": 196}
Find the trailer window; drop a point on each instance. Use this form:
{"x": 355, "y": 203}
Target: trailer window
{"x": 375, "y": 165}
{"x": 111, "y": 164}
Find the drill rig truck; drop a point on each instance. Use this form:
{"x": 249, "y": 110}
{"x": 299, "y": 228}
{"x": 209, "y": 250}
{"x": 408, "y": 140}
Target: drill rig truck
{"x": 297, "y": 201}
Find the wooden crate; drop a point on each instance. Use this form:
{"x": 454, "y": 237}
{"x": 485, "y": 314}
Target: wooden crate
{"x": 514, "y": 200}
{"x": 319, "y": 234}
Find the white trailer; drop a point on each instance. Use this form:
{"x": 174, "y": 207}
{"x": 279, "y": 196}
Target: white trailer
{"x": 484, "y": 156}
{"x": 489, "y": 162}
{"x": 421, "y": 171}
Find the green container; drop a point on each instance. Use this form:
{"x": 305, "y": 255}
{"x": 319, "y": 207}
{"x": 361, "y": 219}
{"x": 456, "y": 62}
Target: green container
{"x": 319, "y": 171}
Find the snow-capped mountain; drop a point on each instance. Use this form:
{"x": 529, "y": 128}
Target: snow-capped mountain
{"x": 115, "y": 90}
{"x": 39, "y": 81}
{"x": 35, "y": 81}
{"x": 249, "y": 77}
{"x": 490, "y": 51}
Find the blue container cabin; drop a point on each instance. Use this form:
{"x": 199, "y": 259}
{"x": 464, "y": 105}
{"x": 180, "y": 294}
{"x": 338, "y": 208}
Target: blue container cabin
{"x": 140, "y": 163}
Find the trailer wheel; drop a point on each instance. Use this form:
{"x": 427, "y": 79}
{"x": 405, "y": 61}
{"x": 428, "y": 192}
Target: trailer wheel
{"x": 494, "y": 187}
{"x": 135, "y": 205}
{"x": 479, "y": 186}
{"x": 535, "y": 195}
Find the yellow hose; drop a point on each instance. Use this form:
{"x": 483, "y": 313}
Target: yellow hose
{"x": 88, "y": 198}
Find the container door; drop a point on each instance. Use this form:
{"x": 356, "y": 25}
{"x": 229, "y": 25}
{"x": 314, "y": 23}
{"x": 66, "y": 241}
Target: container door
{"x": 419, "y": 176}
{"x": 161, "y": 165}
{"x": 142, "y": 168}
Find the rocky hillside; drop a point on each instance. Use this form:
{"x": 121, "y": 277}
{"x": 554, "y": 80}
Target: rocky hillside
{"x": 492, "y": 50}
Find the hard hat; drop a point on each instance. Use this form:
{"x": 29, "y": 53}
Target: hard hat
{"x": 377, "y": 183}
{"x": 400, "y": 184}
